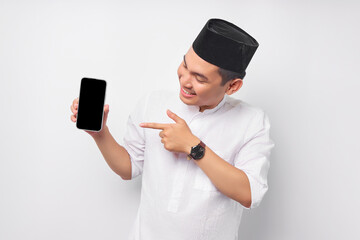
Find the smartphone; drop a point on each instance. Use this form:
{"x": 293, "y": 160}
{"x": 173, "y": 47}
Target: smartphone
{"x": 91, "y": 104}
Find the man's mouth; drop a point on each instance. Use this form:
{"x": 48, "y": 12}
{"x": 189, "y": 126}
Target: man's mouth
{"x": 187, "y": 92}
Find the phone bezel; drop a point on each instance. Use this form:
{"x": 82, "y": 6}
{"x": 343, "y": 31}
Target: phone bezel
{"x": 102, "y": 118}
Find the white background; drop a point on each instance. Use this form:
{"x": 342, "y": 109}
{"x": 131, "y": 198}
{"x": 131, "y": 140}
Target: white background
{"x": 54, "y": 183}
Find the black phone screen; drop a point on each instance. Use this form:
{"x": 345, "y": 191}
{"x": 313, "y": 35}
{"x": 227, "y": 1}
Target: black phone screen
{"x": 91, "y": 104}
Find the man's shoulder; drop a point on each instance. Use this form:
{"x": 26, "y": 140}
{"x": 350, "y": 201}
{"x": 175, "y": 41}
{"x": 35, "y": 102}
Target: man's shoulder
{"x": 246, "y": 114}
{"x": 242, "y": 108}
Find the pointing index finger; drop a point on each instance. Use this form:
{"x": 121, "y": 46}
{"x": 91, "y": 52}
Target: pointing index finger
{"x": 154, "y": 125}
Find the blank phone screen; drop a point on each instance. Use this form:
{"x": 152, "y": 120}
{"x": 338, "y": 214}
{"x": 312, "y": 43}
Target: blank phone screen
{"x": 91, "y": 104}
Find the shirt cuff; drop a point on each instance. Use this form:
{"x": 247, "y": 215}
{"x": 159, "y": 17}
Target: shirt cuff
{"x": 257, "y": 192}
{"x": 136, "y": 168}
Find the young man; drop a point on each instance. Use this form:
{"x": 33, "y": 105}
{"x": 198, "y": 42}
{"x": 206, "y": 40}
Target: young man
{"x": 203, "y": 155}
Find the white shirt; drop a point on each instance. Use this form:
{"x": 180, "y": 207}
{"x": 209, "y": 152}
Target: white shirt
{"x": 178, "y": 200}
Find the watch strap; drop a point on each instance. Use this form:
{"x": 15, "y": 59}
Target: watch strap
{"x": 202, "y": 144}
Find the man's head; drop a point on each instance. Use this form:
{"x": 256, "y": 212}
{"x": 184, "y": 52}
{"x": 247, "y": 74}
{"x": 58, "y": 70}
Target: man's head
{"x": 204, "y": 82}
{"x": 215, "y": 64}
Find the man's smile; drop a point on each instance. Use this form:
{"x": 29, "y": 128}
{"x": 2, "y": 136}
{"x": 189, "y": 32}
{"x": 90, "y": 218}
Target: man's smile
{"x": 187, "y": 93}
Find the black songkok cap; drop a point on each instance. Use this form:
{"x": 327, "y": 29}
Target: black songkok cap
{"x": 225, "y": 45}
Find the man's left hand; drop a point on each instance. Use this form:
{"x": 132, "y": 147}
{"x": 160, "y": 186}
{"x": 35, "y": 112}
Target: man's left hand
{"x": 176, "y": 137}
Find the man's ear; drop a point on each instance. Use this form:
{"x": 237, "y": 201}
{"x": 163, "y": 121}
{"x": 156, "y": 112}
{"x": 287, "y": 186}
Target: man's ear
{"x": 233, "y": 86}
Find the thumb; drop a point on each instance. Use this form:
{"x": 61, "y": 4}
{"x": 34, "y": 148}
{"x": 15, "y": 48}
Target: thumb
{"x": 106, "y": 108}
{"x": 106, "y": 111}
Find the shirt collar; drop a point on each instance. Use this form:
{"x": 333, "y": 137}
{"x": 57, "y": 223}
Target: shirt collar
{"x": 195, "y": 109}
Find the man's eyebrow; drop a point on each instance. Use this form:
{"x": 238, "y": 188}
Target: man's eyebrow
{"x": 184, "y": 61}
{"x": 199, "y": 74}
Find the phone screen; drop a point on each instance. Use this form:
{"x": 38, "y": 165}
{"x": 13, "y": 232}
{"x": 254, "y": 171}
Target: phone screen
{"x": 91, "y": 104}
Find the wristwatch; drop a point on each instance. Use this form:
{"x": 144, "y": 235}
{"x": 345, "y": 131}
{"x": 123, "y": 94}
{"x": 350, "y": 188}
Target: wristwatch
{"x": 197, "y": 152}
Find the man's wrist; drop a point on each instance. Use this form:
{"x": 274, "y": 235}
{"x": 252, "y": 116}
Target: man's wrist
{"x": 193, "y": 142}
{"x": 100, "y": 135}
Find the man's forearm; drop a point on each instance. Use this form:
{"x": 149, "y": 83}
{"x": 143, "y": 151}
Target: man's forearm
{"x": 114, "y": 154}
{"x": 230, "y": 180}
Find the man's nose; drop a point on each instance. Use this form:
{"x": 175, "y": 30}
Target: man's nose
{"x": 187, "y": 79}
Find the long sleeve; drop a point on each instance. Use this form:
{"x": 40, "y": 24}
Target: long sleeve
{"x": 253, "y": 157}
{"x": 134, "y": 138}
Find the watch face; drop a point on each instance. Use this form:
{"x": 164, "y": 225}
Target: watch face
{"x": 197, "y": 152}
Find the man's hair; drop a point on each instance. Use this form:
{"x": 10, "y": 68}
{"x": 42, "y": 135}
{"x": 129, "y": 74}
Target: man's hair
{"x": 228, "y": 75}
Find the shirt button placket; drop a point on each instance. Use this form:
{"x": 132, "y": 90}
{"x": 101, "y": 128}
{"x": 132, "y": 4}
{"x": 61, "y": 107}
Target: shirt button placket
{"x": 180, "y": 175}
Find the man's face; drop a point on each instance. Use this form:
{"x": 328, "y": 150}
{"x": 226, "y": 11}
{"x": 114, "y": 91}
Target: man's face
{"x": 202, "y": 80}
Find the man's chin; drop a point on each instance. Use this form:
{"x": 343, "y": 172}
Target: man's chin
{"x": 186, "y": 101}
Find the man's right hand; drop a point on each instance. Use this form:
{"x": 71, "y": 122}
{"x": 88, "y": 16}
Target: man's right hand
{"x": 74, "y": 109}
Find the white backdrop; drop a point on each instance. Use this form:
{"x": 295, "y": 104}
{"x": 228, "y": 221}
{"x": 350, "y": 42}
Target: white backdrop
{"x": 54, "y": 183}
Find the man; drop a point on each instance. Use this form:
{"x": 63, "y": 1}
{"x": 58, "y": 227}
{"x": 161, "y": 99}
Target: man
{"x": 203, "y": 155}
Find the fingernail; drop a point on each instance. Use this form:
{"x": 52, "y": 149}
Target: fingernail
{"x": 142, "y": 124}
